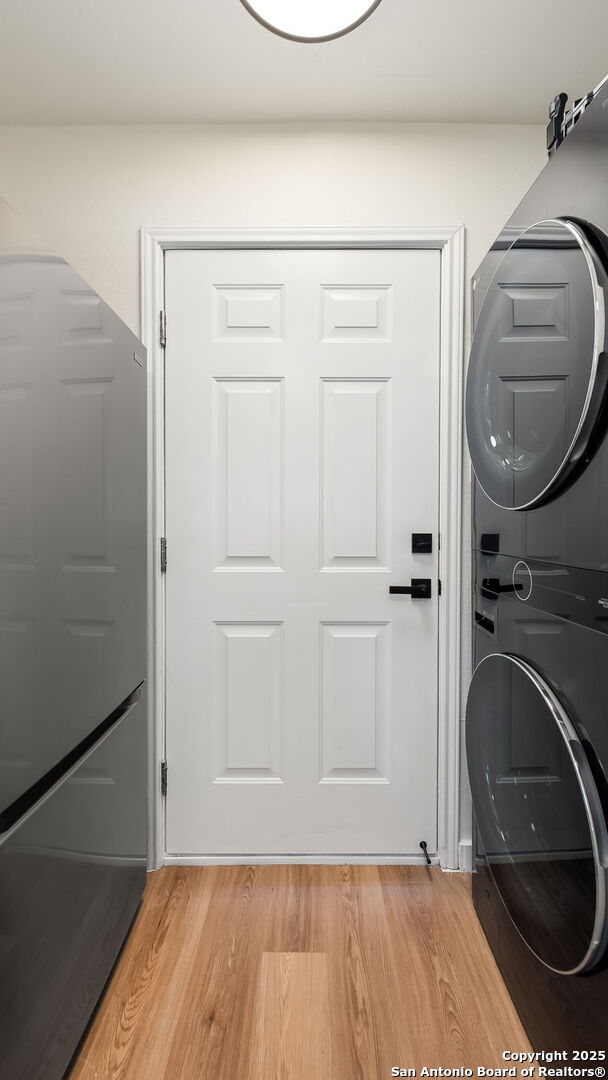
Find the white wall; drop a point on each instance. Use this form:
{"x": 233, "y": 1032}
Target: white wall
{"x": 89, "y": 189}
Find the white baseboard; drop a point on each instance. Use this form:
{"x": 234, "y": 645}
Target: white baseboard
{"x": 465, "y": 856}
{"x": 280, "y": 860}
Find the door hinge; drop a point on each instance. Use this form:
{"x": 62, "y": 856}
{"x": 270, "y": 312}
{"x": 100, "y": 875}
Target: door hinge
{"x": 163, "y": 777}
{"x": 439, "y": 587}
{"x": 162, "y": 336}
{"x": 163, "y": 554}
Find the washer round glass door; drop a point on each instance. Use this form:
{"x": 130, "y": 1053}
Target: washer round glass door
{"x": 535, "y": 384}
{"x": 538, "y": 813}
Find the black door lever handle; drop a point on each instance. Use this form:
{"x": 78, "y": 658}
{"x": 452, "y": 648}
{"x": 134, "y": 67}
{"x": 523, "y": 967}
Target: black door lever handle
{"x": 420, "y": 589}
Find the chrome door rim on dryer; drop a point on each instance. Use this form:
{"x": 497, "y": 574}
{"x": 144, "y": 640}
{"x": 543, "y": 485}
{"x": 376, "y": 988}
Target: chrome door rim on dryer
{"x": 592, "y": 805}
{"x": 578, "y": 444}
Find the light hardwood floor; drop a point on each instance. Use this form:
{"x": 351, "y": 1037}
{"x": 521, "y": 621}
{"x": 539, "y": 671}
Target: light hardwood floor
{"x": 301, "y": 973}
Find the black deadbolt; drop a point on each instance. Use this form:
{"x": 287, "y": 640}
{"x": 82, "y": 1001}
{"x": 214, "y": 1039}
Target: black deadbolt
{"x": 422, "y": 543}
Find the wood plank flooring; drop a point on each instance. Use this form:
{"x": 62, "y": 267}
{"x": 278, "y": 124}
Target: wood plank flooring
{"x": 301, "y": 973}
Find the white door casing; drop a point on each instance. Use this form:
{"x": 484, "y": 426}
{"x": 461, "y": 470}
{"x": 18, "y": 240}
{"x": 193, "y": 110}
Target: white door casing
{"x": 302, "y": 435}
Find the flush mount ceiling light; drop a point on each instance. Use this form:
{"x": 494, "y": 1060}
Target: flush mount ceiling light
{"x": 310, "y": 20}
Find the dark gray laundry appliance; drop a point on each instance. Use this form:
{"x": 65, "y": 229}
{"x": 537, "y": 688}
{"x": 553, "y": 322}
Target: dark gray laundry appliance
{"x": 73, "y": 759}
{"x": 537, "y": 721}
{"x": 537, "y": 750}
{"x": 536, "y": 401}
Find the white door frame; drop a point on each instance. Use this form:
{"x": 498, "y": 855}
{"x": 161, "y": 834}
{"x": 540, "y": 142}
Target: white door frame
{"x": 449, "y": 240}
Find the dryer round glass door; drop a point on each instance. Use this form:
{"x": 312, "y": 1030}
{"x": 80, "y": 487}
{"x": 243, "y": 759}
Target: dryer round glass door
{"x": 536, "y": 377}
{"x": 538, "y": 813}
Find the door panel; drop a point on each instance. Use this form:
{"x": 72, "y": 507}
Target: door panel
{"x": 353, "y": 701}
{"x": 302, "y": 439}
{"x": 249, "y": 508}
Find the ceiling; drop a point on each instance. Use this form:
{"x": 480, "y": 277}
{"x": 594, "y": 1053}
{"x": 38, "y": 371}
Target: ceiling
{"x": 196, "y": 61}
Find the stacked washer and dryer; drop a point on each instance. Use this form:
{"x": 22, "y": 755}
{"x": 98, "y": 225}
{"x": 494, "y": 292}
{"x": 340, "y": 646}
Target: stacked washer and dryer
{"x": 537, "y": 711}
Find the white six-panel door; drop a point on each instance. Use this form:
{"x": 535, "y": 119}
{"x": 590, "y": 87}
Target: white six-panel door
{"x": 302, "y": 433}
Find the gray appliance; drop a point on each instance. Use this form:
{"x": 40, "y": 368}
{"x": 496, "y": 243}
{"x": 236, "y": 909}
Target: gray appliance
{"x": 536, "y": 390}
{"x": 536, "y": 725}
{"x": 73, "y": 760}
{"x": 537, "y": 751}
